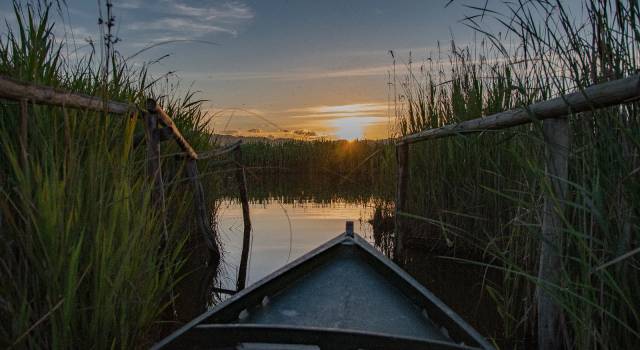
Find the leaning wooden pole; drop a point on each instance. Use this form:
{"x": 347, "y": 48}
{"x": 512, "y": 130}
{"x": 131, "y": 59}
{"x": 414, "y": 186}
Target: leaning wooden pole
{"x": 40, "y": 94}
{"x": 556, "y": 136}
{"x": 241, "y": 179}
{"x": 597, "y": 96}
{"x": 165, "y": 119}
{"x": 402, "y": 160}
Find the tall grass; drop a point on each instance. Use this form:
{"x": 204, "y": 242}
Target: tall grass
{"x": 320, "y": 170}
{"x": 487, "y": 189}
{"x": 82, "y": 256}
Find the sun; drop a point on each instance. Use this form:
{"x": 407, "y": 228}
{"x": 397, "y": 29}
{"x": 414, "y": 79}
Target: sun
{"x": 352, "y": 128}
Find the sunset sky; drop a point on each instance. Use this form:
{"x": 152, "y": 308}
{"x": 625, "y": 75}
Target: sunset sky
{"x": 280, "y": 67}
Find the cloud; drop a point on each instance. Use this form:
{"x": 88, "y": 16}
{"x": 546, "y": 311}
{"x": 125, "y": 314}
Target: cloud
{"x": 307, "y": 133}
{"x": 340, "y": 120}
{"x": 308, "y": 74}
{"x": 74, "y": 35}
{"x": 350, "y": 108}
{"x": 181, "y": 25}
{"x": 181, "y": 19}
{"x": 346, "y": 73}
{"x": 128, "y": 4}
{"x": 228, "y": 12}
{"x": 299, "y": 134}
{"x": 340, "y": 111}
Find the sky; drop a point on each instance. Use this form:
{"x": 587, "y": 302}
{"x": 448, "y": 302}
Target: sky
{"x": 303, "y": 68}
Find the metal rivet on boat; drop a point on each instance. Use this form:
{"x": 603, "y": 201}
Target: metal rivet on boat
{"x": 243, "y": 314}
{"x": 349, "y": 229}
{"x": 444, "y": 331}
{"x": 265, "y": 301}
{"x": 425, "y": 314}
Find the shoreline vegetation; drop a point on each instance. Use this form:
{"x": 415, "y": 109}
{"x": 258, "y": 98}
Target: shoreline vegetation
{"x": 487, "y": 189}
{"x": 484, "y": 192}
{"x": 81, "y": 240}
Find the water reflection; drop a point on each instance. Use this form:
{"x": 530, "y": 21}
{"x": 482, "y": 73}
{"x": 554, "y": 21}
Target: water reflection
{"x": 382, "y": 225}
{"x": 283, "y": 232}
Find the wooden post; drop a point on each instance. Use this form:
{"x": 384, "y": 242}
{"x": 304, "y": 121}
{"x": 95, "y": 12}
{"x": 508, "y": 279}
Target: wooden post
{"x": 402, "y": 160}
{"x": 348, "y": 229}
{"x": 556, "y": 136}
{"x": 203, "y": 214}
{"x": 24, "y": 133}
{"x": 153, "y": 163}
{"x": 241, "y": 179}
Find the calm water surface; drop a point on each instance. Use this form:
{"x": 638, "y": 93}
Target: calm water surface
{"x": 283, "y": 232}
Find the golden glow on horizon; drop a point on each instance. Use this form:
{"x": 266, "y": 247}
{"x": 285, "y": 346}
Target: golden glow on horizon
{"x": 347, "y": 121}
{"x": 340, "y": 121}
{"x": 356, "y": 108}
{"x": 353, "y": 128}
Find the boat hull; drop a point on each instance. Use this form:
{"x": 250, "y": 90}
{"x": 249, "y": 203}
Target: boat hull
{"x": 342, "y": 295}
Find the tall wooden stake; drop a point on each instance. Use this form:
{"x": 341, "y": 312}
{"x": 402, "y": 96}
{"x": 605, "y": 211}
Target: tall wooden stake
{"x": 24, "y": 132}
{"x": 153, "y": 163}
{"x": 241, "y": 179}
{"x": 402, "y": 159}
{"x": 556, "y": 136}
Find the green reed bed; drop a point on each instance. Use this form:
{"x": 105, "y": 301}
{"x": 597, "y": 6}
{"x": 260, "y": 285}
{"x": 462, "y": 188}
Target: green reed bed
{"x": 488, "y": 188}
{"x": 347, "y": 167}
{"x": 83, "y": 260}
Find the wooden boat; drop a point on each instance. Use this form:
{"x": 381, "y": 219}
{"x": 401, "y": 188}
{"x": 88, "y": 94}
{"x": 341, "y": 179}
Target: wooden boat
{"x": 342, "y": 295}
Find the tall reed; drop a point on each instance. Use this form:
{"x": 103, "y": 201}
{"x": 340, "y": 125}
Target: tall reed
{"x": 81, "y": 251}
{"x": 323, "y": 169}
{"x": 487, "y": 189}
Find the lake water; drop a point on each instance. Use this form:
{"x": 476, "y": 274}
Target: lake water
{"x": 283, "y": 232}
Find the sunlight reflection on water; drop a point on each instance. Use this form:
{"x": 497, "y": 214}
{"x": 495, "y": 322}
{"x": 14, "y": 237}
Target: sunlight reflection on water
{"x": 459, "y": 285}
{"x": 274, "y": 244}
